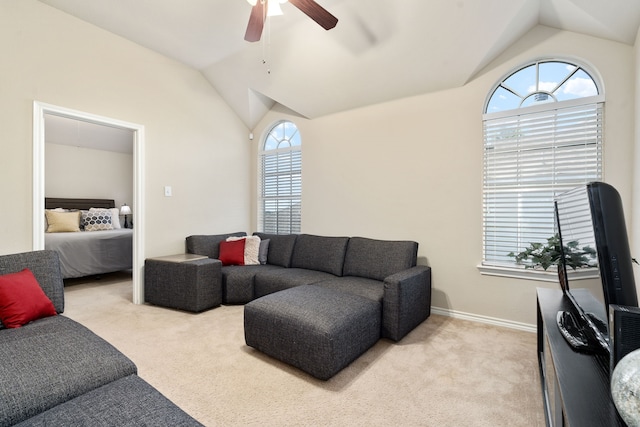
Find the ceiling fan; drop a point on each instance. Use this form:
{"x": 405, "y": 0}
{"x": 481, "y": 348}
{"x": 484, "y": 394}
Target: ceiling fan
{"x": 261, "y": 8}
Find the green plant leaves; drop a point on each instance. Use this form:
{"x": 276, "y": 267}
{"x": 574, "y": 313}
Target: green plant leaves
{"x": 539, "y": 255}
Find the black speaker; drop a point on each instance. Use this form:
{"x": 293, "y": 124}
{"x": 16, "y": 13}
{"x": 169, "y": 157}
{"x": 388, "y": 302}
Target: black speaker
{"x": 624, "y": 331}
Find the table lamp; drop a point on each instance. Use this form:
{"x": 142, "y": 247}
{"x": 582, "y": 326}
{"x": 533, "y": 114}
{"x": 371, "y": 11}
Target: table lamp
{"x": 125, "y": 210}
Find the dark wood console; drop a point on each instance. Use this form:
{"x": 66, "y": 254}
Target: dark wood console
{"x": 575, "y": 386}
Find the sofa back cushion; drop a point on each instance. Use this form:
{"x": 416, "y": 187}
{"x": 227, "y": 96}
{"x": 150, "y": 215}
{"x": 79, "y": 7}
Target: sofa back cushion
{"x": 320, "y": 253}
{"x": 280, "y": 248}
{"x": 209, "y": 245}
{"x": 377, "y": 259}
{"x": 45, "y": 266}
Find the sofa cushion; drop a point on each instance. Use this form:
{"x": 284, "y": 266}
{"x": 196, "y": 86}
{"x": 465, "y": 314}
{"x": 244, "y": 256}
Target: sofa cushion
{"x": 319, "y": 253}
{"x": 129, "y": 401}
{"x": 22, "y": 300}
{"x": 280, "y": 248}
{"x": 45, "y": 266}
{"x": 238, "y": 282}
{"x": 377, "y": 259}
{"x": 53, "y": 360}
{"x": 208, "y": 245}
{"x": 270, "y": 281}
{"x": 368, "y": 288}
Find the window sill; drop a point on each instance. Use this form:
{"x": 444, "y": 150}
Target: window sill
{"x": 550, "y": 275}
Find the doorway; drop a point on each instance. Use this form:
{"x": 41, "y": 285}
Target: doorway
{"x": 39, "y": 111}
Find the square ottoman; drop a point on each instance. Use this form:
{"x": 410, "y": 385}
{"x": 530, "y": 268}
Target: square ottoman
{"x": 183, "y": 283}
{"x": 318, "y": 330}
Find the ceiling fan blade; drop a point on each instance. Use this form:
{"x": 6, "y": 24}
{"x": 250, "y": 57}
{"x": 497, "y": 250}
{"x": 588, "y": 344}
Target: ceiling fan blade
{"x": 256, "y": 22}
{"x": 316, "y": 12}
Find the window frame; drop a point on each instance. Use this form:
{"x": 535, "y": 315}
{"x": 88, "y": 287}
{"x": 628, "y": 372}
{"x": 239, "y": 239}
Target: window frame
{"x": 285, "y": 184}
{"x": 516, "y": 271}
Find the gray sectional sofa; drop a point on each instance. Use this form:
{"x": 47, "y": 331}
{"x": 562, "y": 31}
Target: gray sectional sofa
{"x": 325, "y": 292}
{"x": 56, "y": 372}
{"x": 381, "y": 270}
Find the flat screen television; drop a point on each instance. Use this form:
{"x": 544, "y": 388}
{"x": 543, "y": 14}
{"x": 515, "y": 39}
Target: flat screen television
{"x": 591, "y": 227}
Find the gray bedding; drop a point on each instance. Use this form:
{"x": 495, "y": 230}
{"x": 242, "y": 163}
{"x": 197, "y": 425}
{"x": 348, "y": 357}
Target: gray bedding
{"x": 88, "y": 253}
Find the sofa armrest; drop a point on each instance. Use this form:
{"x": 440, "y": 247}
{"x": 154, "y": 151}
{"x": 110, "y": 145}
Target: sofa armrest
{"x": 406, "y": 302}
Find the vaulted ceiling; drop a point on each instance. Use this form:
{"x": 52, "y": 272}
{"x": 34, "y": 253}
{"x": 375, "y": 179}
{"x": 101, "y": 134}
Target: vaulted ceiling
{"x": 380, "y": 50}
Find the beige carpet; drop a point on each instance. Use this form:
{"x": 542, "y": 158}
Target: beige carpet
{"x": 447, "y": 372}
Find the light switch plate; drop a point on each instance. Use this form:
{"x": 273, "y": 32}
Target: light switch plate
{"x": 167, "y": 191}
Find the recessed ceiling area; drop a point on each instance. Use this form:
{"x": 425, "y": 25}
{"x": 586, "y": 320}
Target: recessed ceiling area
{"x": 379, "y": 51}
{"x": 77, "y": 133}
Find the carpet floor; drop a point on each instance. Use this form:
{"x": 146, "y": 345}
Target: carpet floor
{"x": 446, "y": 372}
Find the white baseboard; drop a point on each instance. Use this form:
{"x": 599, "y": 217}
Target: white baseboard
{"x": 484, "y": 319}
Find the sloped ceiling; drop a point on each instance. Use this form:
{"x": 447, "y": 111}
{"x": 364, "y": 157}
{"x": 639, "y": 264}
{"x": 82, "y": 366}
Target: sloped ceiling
{"x": 78, "y": 133}
{"x": 380, "y": 50}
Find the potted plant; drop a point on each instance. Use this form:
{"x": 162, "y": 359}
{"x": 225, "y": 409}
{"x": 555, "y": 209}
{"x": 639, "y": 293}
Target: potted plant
{"x": 547, "y": 254}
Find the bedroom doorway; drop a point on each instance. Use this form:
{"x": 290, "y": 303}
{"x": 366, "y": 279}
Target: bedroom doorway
{"x": 39, "y": 112}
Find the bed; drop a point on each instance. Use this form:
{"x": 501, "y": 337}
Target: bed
{"x": 87, "y": 253}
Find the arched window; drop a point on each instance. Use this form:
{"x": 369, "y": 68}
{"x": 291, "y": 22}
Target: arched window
{"x": 543, "y": 132}
{"x": 280, "y": 192}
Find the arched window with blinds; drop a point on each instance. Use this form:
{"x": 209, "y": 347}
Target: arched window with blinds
{"x": 543, "y": 135}
{"x": 280, "y": 171}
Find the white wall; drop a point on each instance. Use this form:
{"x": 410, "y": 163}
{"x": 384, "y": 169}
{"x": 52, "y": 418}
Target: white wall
{"x": 412, "y": 169}
{"x": 81, "y": 172}
{"x": 194, "y": 142}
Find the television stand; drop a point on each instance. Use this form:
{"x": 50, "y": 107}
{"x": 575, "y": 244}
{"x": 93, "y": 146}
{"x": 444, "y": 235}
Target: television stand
{"x": 575, "y": 385}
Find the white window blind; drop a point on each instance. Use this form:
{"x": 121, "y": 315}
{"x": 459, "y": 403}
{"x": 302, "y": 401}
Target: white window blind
{"x": 281, "y": 190}
{"x": 528, "y": 160}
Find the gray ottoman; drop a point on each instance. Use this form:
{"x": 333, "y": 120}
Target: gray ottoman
{"x": 318, "y": 330}
{"x": 191, "y": 285}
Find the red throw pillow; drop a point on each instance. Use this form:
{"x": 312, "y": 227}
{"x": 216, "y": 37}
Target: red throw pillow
{"x": 22, "y": 300}
{"x": 232, "y": 252}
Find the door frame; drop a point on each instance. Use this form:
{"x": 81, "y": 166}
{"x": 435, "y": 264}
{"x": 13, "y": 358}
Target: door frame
{"x": 39, "y": 110}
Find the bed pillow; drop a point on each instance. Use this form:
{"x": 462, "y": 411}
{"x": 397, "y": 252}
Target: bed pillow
{"x": 22, "y": 300}
{"x": 96, "y": 220}
{"x": 58, "y": 222}
{"x": 251, "y": 249}
{"x": 46, "y": 223}
{"x": 232, "y": 252}
{"x": 115, "y": 216}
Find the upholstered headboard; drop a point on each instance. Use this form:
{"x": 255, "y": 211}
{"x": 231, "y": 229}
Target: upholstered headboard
{"x": 80, "y": 204}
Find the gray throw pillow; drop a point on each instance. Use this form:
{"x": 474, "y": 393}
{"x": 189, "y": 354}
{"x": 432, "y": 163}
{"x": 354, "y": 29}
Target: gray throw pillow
{"x": 263, "y": 251}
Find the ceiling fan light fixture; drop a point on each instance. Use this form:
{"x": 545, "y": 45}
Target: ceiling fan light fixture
{"x": 273, "y": 9}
